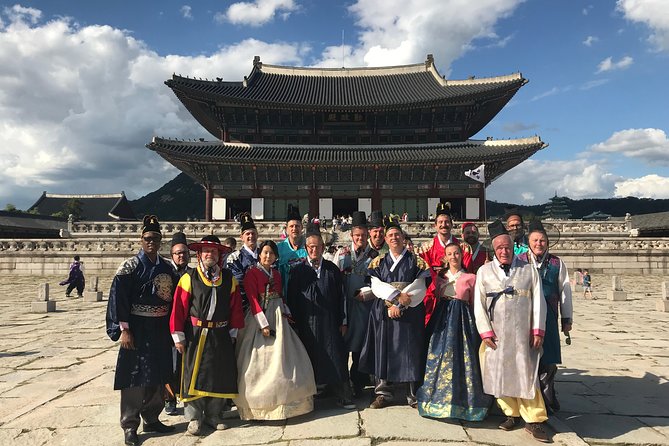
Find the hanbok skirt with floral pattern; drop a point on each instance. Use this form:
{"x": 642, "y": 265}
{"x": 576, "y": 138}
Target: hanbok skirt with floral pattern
{"x": 453, "y": 387}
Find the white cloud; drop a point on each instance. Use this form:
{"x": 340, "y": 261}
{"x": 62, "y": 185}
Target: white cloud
{"x": 21, "y": 14}
{"x": 515, "y": 127}
{"x": 586, "y": 10}
{"x": 580, "y": 178}
{"x": 78, "y": 104}
{"x": 590, "y": 40}
{"x": 395, "y": 32}
{"x": 652, "y": 13}
{"x": 594, "y": 83}
{"x": 552, "y": 92}
{"x": 649, "y": 186}
{"x": 257, "y": 13}
{"x": 608, "y": 64}
{"x": 187, "y": 12}
{"x": 648, "y": 145}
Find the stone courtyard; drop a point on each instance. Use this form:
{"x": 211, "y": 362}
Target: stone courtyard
{"x": 56, "y": 373}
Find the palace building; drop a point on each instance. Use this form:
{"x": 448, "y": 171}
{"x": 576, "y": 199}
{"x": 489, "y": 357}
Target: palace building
{"x": 333, "y": 141}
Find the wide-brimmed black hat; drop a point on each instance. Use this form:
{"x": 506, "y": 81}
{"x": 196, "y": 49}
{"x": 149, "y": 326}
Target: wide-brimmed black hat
{"x": 496, "y": 228}
{"x": 359, "y": 219}
{"x": 551, "y": 231}
{"x": 150, "y": 224}
{"x": 536, "y": 226}
{"x": 375, "y": 219}
{"x": 178, "y": 238}
{"x": 313, "y": 229}
{"x": 293, "y": 213}
{"x": 443, "y": 209}
{"x": 392, "y": 221}
{"x": 246, "y": 222}
{"x": 210, "y": 241}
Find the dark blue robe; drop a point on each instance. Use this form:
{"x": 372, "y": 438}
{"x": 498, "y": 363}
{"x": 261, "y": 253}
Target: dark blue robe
{"x": 238, "y": 262}
{"x": 394, "y": 349}
{"x": 140, "y": 286}
{"x": 317, "y": 305}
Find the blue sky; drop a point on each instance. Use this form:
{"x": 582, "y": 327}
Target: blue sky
{"x": 81, "y": 82}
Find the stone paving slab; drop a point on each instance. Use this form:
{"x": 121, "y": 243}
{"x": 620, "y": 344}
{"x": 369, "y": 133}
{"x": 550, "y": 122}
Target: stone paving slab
{"x": 613, "y": 429}
{"x": 56, "y": 377}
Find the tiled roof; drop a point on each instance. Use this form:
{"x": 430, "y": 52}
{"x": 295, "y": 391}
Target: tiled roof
{"x": 98, "y": 207}
{"x": 654, "y": 221}
{"x": 336, "y": 88}
{"x": 276, "y": 154}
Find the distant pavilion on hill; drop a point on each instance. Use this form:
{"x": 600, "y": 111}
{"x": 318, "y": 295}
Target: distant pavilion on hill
{"x": 332, "y": 141}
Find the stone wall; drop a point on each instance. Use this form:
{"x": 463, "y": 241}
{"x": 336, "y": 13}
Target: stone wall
{"x": 599, "y": 246}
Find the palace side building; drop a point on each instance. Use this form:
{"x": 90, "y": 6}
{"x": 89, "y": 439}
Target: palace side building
{"x": 333, "y": 141}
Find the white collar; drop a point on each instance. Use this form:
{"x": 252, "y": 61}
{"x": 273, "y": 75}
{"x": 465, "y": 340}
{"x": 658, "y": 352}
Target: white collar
{"x": 254, "y": 254}
{"x": 443, "y": 245}
{"x": 397, "y": 260}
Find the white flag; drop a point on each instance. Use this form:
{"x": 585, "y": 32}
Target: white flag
{"x": 477, "y": 174}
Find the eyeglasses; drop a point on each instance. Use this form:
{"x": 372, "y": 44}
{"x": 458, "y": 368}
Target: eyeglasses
{"x": 180, "y": 253}
{"x": 152, "y": 239}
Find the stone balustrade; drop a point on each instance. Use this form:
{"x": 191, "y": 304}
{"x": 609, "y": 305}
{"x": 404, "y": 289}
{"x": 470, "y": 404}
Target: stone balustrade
{"x": 273, "y": 228}
{"x": 598, "y": 246}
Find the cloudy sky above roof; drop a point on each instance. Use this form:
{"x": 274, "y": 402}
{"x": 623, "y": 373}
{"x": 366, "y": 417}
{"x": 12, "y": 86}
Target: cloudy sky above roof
{"x": 81, "y": 82}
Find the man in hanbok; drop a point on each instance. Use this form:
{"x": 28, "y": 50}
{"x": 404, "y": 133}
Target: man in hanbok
{"x": 557, "y": 292}
{"x": 510, "y": 315}
{"x": 180, "y": 259}
{"x": 516, "y": 228}
{"x": 353, "y": 261}
{"x": 377, "y": 233}
{"x": 291, "y": 250}
{"x": 433, "y": 252}
{"x": 138, "y": 313}
{"x": 394, "y": 348}
{"x": 247, "y": 256}
{"x": 470, "y": 234}
{"x": 316, "y": 300}
{"x": 205, "y": 318}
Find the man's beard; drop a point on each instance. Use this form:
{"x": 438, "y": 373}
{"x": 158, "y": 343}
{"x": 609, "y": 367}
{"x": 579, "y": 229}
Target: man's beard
{"x": 208, "y": 263}
{"x": 472, "y": 240}
{"x": 517, "y": 235}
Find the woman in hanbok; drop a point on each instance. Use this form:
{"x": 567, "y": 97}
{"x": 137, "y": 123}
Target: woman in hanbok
{"x": 276, "y": 380}
{"x": 453, "y": 387}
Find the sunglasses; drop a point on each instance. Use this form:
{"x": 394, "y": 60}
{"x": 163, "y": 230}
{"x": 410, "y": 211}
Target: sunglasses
{"x": 152, "y": 239}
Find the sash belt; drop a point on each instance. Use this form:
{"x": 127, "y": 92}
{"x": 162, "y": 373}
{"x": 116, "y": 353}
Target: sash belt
{"x": 149, "y": 310}
{"x": 207, "y": 324}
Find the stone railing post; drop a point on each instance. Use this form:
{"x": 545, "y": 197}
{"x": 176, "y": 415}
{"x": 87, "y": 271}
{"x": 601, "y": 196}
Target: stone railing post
{"x": 43, "y": 304}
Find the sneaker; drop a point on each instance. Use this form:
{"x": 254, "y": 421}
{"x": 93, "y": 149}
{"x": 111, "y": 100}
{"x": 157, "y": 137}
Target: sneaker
{"x": 508, "y": 424}
{"x": 171, "y": 407}
{"x": 194, "y": 427}
{"x": 80, "y": 295}
{"x": 379, "y": 403}
{"x": 346, "y": 404}
{"x": 216, "y": 423}
{"x": 537, "y": 431}
{"x": 68, "y": 295}
{"x": 158, "y": 427}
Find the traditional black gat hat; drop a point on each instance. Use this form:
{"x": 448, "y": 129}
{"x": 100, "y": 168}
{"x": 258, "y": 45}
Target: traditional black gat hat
{"x": 313, "y": 229}
{"x": 496, "y": 228}
{"x": 375, "y": 219}
{"x": 359, "y": 219}
{"x": 150, "y": 224}
{"x": 293, "y": 213}
{"x": 536, "y": 226}
{"x": 178, "y": 238}
{"x": 392, "y": 221}
{"x": 247, "y": 222}
{"x": 210, "y": 241}
{"x": 443, "y": 209}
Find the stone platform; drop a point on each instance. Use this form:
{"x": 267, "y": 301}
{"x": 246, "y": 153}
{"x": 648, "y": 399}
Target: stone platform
{"x": 56, "y": 373}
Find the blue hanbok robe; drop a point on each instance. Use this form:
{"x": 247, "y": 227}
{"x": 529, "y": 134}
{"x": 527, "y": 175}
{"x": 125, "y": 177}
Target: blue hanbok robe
{"x": 317, "y": 304}
{"x": 141, "y": 296}
{"x": 394, "y": 349}
{"x": 238, "y": 262}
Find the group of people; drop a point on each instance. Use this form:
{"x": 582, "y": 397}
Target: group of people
{"x": 448, "y": 326}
